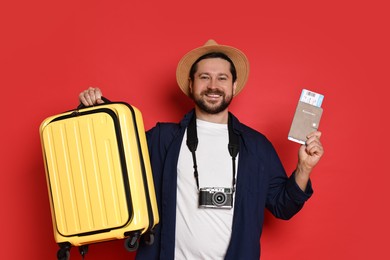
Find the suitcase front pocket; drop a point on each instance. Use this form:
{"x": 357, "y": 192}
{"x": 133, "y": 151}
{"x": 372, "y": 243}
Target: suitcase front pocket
{"x": 87, "y": 173}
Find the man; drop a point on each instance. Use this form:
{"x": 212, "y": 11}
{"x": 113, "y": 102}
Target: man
{"x": 212, "y": 207}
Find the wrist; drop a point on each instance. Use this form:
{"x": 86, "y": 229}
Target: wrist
{"x": 302, "y": 177}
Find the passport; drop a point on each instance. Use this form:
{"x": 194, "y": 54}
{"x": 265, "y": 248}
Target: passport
{"x": 307, "y": 116}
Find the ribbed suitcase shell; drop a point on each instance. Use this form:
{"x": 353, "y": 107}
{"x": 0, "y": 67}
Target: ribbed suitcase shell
{"x": 98, "y": 174}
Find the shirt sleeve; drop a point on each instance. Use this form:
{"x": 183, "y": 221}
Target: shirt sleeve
{"x": 295, "y": 192}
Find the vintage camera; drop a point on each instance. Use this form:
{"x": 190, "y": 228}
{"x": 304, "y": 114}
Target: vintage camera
{"x": 216, "y": 197}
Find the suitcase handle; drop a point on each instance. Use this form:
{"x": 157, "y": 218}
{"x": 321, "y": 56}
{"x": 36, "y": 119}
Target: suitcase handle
{"x": 106, "y": 100}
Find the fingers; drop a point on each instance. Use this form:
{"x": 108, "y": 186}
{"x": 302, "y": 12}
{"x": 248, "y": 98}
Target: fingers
{"x": 313, "y": 144}
{"x": 315, "y": 133}
{"x": 91, "y": 96}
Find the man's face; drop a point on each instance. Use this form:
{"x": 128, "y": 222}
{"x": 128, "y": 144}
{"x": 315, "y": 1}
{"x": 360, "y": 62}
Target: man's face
{"x": 212, "y": 88}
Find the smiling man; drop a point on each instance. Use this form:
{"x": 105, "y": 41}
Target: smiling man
{"x": 212, "y": 84}
{"x": 213, "y": 175}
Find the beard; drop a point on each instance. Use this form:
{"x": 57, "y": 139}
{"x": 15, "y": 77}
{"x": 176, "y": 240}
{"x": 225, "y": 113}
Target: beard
{"x": 214, "y": 107}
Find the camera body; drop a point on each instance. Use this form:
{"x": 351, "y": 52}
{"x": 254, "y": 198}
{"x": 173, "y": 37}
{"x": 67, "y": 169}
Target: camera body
{"x": 216, "y": 197}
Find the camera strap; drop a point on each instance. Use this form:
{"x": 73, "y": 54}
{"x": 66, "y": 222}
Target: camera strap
{"x": 192, "y": 143}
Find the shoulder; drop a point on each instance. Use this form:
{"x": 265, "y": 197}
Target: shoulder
{"x": 169, "y": 129}
{"x": 163, "y": 129}
{"x": 254, "y": 135}
{"x": 248, "y": 132}
{"x": 253, "y": 140}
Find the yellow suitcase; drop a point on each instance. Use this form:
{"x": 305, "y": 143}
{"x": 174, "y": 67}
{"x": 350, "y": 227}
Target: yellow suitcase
{"x": 99, "y": 176}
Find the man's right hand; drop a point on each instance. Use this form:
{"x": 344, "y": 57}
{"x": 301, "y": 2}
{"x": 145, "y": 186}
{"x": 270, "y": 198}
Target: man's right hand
{"x": 91, "y": 96}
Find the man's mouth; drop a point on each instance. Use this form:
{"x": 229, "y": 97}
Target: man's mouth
{"x": 213, "y": 94}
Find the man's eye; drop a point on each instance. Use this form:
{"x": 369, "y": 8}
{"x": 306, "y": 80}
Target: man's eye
{"x": 204, "y": 77}
{"x": 222, "y": 78}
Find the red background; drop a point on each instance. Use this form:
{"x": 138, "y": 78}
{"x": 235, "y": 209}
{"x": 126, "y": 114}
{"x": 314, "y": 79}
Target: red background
{"x": 52, "y": 50}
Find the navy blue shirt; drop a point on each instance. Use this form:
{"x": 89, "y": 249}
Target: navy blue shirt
{"x": 261, "y": 183}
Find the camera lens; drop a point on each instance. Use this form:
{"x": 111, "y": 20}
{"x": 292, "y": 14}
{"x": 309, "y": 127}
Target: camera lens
{"x": 219, "y": 198}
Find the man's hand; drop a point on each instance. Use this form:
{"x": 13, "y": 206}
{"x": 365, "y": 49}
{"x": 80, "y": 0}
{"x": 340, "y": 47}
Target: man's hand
{"x": 309, "y": 155}
{"x": 91, "y": 96}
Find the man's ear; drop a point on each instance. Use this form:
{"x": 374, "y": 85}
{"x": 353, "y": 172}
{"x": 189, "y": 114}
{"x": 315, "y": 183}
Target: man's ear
{"x": 234, "y": 88}
{"x": 190, "y": 86}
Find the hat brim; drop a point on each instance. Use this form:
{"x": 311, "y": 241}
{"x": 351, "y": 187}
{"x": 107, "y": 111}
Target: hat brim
{"x": 238, "y": 58}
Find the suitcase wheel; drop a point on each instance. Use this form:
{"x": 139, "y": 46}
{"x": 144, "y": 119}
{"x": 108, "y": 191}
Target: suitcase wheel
{"x": 64, "y": 252}
{"x": 149, "y": 238}
{"x": 83, "y": 250}
{"x": 131, "y": 243}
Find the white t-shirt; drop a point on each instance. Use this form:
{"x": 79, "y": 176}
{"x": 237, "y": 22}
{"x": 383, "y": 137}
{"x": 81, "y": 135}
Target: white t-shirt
{"x": 203, "y": 233}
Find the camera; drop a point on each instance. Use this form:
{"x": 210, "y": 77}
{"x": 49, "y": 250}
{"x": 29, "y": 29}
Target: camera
{"x": 214, "y": 197}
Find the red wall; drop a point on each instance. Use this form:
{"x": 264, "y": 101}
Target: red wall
{"x": 52, "y": 50}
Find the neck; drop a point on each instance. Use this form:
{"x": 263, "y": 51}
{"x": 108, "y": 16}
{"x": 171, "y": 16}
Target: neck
{"x": 220, "y": 118}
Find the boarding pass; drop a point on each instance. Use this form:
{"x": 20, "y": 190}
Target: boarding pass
{"x": 311, "y": 98}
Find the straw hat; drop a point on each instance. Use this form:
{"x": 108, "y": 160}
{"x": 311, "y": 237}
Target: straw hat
{"x": 238, "y": 57}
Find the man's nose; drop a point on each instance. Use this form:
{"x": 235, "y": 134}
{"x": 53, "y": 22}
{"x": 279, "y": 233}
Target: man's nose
{"x": 213, "y": 83}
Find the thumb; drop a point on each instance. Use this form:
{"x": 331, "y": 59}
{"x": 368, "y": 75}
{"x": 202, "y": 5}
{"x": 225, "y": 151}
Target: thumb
{"x": 99, "y": 101}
